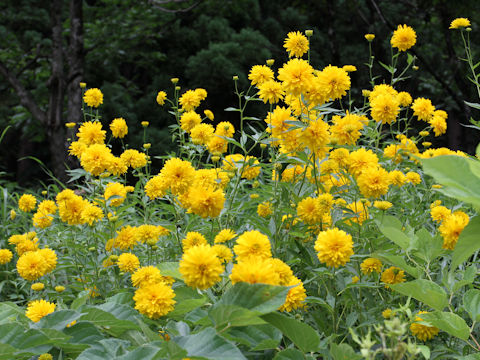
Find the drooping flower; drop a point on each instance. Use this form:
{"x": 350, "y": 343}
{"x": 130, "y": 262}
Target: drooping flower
{"x": 161, "y": 97}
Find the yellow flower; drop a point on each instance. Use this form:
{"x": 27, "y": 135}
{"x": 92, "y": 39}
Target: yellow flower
{"x": 96, "y": 159}
{"x": 439, "y": 213}
{"x": 5, "y": 256}
{"x": 119, "y": 128}
{"x": 59, "y": 288}
{"x": 396, "y": 177}
{"x": 264, "y": 209}
{"x": 312, "y": 210}
{"x": 145, "y": 124}
{"x": 371, "y": 265}
{"x": 369, "y": 37}
{"x": 13, "y": 214}
{"x": 361, "y": 159}
{"x": 189, "y": 100}
{"x": 355, "y": 279}
{"x": 316, "y": 136}
{"x": 189, "y": 120}
{"x": 128, "y": 262}
{"x": 334, "y": 247}
{"x": 404, "y": 98}
{"x": 209, "y": 114}
{"x": 134, "y": 158}
{"x": 423, "y": 109}
{"x": 439, "y": 122}
{"x": 161, "y": 97}
{"x": 423, "y": 332}
{"x": 37, "y": 309}
{"x": 459, "y": 23}
{"x": 154, "y": 300}
{"x": 295, "y": 296}
{"x": 91, "y": 133}
{"x": 392, "y": 275}
{"x": 27, "y": 202}
{"x": 349, "y": 68}
{"x": 192, "y": 239}
{"x": 82, "y": 85}
{"x": 382, "y": 205}
{"x": 335, "y": 82}
{"x": 127, "y": 238}
{"x": 200, "y": 267}
{"x": 259, "y": 74}
{"x": 45, "y": 356}
{"x": 223, "y": 253}
{"x": 31, "y": 265}
{"x": 295, "y": 76}
{"x": 156, "y": 187}
{"x": 387, "y": 313}
{"x": 255, "y": 270}
{"x": 38, "y": 286}
{"x": 93, "y": 97}
{"x": 206, "y": 201}
{"x": 91, "y": 213}
{"x": 346, "y": 130}
{"x": 271, "y": 91}
{"x": 224, "y": 235}
{"x": 146, "y": 276}
{"x": 452, "y": 227}
{"x": 385, "y": 108}
{"x": 296, "y": 44}
{"x": 413, "y": 177}
{"x": 201, "y": 133}
{"x": 224, "y": 128}
{"x": 424, "y": 133}
{"x": 373, "y": 182}
{"x": 252, "y": 243}
{"x": 403, "y": 38}
{"x": 178, "y": 174}
{"x": 70, "y": 125}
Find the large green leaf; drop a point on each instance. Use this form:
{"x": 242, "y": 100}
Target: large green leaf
{"x": 425, "y": 291}
{"x": 109, "y": 322}
{"x": 428, "y": 247}
{"x": 399, "y": 262}
{"x": 301, "y": 334}
{"x": 105, "y": 349}
{"x": 58, "y": 320}
{"x": 289, "y": 354}
{"x": 208, "y": 344}
{"x": 471, "y": 302}
{"x": 343, "y": 352}
{"x": 449, "y": 322}
{"x": 185, "y": 306}
{"x": 233, "y": 315}
{"x": 459, "y": 176}
{"x": 257, "y": 337}
{"x": 467, "y": 243}
{"x": 391, "y": 227}
{"x": 170, "y": 269}
{"x": 261, "y": 298}
{"x": 10, "y": 311}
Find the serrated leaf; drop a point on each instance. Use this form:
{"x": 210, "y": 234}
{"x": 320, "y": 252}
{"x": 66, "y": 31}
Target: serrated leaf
{"x": 425, "y": 291}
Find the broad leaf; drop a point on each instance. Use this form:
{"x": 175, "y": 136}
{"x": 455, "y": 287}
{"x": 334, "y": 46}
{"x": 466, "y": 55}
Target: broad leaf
{"x": 425, "y": 291}
{"x": 467, "y": 243}
{"x": 471, "y": 302}
{"x": 449, "y": 322}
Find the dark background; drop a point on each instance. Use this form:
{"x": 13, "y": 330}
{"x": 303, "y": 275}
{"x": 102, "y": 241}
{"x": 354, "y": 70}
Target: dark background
{"x": 131, "y": 49}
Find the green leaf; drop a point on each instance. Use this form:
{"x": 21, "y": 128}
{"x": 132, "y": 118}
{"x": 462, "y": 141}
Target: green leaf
{"x": 289, "y": 354}
{"x": 425, "y": 291}
{"x": 391, "y": 227}
{"x": 398, "y": 261}
{"x": 185, "y": 306}
{"x": 170, "y": 269}
{"x": 425, "y": 350}
{"x": 58, "y": 320}
{"x": 233, "y": 315}
{"x": 108, "y": 321}
{"x": 458, "y": 175}
{"x": 261, "y": 298}
{"x": 343, "y": 352}
{"x": 257, "y": 337}
{"x": 449, "y": 322}
{"x": 209, "y": 345}
{"x": 10, "y": 311}
{"x": 80, "y": 300}
{"x": 302, "y": 335}
{"x": 429, "y": 247}
{"x": 467, "y": 243}
{"x": 471, "y": 302}
{"x": 105, "y": 349}
{"x": 473, "y": 105}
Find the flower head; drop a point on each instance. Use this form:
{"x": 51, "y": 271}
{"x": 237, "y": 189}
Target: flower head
{"x": 154, "y": 300}
{"x": 5, "y": 256}
{"x": 146, "y": 276}
{"x": 37, "y": 309}
{"x": 119, "y": 128}
{"x": 27, "y": 202}
{"x": 252, "y": 243}
{"x": 371, "y": 265}
{"x": 224, "y": 235}
{"x": 255, "y": 270}
{"x": 161, "y": 97}
{"x": 259, "y": 74}
{"x": 334, "y": 247}
{"x": 93, "y": 97}
{"x": 128, "y": 262}
{"x": 403, "y": 38}
{"x": 200, "y": 267}
{"x": 392, "y": 275}
{"x": 296, "y": 44}
{"x": 459, "y": 23}
{"x": 423, "y": 332}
